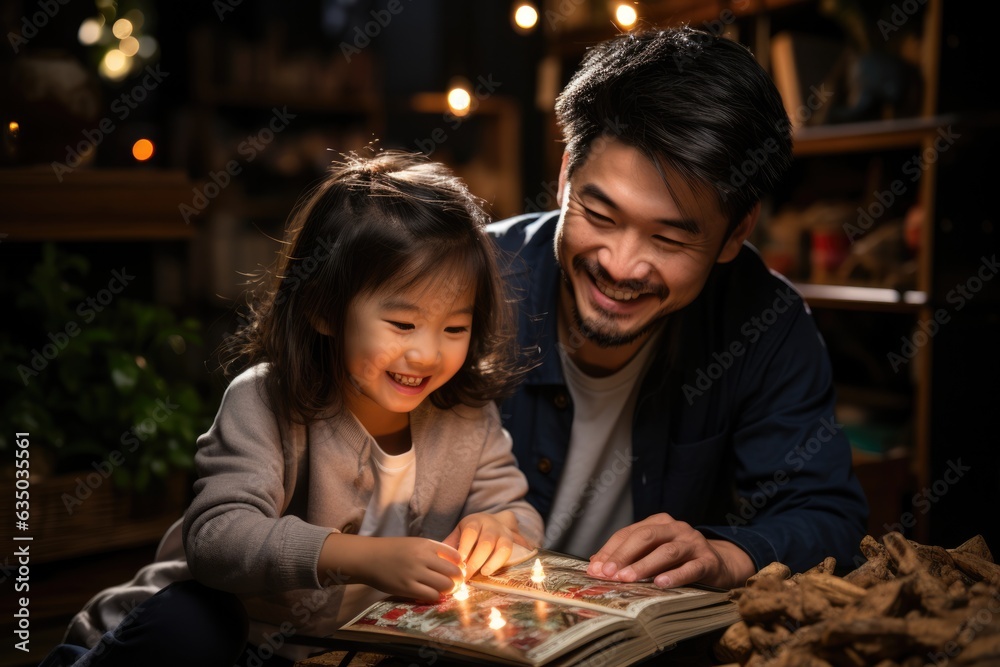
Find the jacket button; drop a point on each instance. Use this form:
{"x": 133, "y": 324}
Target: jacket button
{"x": 561, "y": 400}
{"x": 348, "y": 529}
{"x": 544, "y": 465}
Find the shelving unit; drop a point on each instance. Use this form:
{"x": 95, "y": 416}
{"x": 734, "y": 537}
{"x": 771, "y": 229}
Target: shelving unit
{"x": 238, "y": 84}
{"x": 848, "y": 164}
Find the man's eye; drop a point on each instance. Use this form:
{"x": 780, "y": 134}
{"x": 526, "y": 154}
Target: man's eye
{"x": 403, "y": 326}
{"x": 669, "y": 241}
{"x": 596, "y": 216}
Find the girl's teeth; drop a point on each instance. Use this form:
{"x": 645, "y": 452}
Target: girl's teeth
{"x": 407, "y": 380}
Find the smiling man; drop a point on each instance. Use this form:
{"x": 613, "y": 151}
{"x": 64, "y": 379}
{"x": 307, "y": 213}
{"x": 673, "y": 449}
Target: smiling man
{"x": 678, "y": 423}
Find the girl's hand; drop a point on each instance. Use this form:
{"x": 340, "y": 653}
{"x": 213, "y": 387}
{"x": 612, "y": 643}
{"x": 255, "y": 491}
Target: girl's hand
{"x": 411, "y": 567}
{"x": 484, "y": 541}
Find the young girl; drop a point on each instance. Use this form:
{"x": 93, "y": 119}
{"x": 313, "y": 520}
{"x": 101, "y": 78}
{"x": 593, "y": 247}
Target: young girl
{"x": 361, "y": 453}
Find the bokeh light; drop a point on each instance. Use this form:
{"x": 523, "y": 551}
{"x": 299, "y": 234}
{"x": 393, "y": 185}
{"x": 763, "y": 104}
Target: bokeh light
{"x": 626, "y": 15}
{"x": 142, "y": 150}
{"x": 90, "y": 31}
{"x": 525, "y": 16}
{"x": 122, "y": 28}
{"x": 459, "y": 101}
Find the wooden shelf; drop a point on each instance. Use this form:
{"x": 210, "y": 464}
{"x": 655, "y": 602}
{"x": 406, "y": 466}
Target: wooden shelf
{"x": 868, "y": 136}
{"x": 862, "y": 298}
{"x": 94, "y": 205}
{"x": 265, "y": 99}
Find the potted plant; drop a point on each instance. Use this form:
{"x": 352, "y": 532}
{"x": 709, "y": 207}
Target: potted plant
{"x": 100, "y": 382}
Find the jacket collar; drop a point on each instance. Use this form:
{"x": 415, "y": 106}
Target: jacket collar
{"x": 536, "y": 276}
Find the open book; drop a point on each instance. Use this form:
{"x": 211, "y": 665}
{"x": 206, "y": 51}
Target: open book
{"x": 566, "y": 618}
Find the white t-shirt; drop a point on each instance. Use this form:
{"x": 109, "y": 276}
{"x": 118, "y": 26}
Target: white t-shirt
{"x": 389, "y": 505}
{"x": 594, "y": 498}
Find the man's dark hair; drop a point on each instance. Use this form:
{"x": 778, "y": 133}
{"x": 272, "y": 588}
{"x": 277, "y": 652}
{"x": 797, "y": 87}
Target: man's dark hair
{"x": 696, "y": 103}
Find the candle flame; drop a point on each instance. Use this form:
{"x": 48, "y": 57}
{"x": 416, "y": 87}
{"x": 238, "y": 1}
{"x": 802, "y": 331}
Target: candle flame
{"x": 496, "y": 620}
{"x": 537, "y": 573}
{"x": 462, "y": 593}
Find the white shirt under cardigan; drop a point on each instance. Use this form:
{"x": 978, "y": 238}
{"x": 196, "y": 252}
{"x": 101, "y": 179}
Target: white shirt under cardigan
{"x": 268, "y": 495}
{"x": 594, "y": 498}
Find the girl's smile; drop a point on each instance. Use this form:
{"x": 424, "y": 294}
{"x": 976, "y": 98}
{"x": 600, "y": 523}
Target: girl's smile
{"x": 408, "y": 384}
{"x": 402, "y": 346}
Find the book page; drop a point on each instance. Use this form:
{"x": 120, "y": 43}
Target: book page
{"x": 534, "y": 632}
{"x": 566, "y": 580}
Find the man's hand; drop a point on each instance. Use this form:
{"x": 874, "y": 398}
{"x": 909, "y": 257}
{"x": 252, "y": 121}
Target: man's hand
{"x": 673, "y": 553}
{"x": 484, "y": 541}
{"x": 411, "y": 567}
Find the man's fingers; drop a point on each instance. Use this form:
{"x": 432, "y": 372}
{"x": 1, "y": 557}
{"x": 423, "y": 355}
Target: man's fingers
{"x": 627, "y": 545}
{"x": 598, "y": 560}
{"x": 642, "y": 540}
{"x": 688, "y": 573}
{"x": 659, "y": 559}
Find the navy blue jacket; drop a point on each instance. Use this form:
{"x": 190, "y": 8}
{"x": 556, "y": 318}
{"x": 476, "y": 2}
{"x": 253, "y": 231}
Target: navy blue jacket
{"x": 733, "y": 429}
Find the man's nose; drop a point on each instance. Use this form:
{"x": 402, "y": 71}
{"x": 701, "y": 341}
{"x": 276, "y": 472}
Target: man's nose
{"x": 624, "y": 258}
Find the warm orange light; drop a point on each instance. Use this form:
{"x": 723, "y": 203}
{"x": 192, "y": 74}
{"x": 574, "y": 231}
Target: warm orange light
{"x": 626, "y": 15}
{"x": 459, "y": 101}
{"x": 142, "y": 150}
{"x": 496, "y": 620}
{"x": 462, "y": 593}
{"x": 122, "y": 28}
{"x": 537, "y": 573}
{"x": 525, "y": 16}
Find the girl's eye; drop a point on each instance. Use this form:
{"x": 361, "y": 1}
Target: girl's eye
{"x": 402, "y": 326}
{"x": 456, "y": 330}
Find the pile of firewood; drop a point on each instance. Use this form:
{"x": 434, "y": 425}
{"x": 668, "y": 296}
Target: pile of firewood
{"x": 908, "y": 605}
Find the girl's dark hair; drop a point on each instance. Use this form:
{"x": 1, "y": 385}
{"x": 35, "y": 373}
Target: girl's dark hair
{"x": 699, "y": 102}
{"x": 374, "y": 224}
